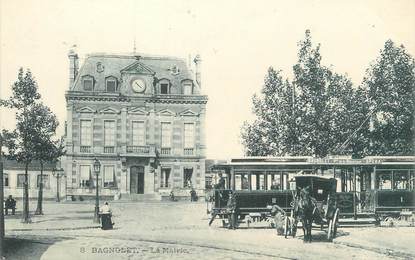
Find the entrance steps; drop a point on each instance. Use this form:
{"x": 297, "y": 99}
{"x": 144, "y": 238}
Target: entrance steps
{"x": 140, "y": 197}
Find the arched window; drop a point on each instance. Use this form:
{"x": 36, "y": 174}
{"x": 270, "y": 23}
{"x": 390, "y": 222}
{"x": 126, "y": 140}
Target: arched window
{"x": 88, "y": 83}
{"x": 111, "y": 84}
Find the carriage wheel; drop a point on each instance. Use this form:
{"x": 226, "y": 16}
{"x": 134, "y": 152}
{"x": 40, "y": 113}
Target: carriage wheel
{"x": 336, "y": 222}
{"x": 330, "y": 231}
{"x": 286, "y": 226}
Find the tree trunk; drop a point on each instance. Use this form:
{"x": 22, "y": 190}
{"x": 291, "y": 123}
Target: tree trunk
{"x": 39, "y": 209}
{"x": 25, "y": 216}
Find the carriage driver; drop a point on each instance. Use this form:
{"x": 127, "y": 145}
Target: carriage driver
{"x": 221, "y": 183}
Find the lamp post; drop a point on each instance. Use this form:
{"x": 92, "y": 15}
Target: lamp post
{"x": 97, "y": 169}
{"x": 58, "y": 172}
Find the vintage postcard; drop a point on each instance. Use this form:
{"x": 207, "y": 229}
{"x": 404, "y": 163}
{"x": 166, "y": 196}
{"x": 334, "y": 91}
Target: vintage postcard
{"x": 207, "y": 129}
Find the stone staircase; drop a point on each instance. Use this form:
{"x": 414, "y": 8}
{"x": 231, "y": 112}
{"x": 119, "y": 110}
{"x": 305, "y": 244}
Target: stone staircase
{"x": 141, "y": 197}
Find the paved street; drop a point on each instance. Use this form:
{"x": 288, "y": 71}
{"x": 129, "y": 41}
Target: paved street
{"x": 161, "y": 230}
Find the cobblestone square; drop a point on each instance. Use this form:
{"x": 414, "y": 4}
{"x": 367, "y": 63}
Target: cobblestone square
{"x": 179, "y": 230}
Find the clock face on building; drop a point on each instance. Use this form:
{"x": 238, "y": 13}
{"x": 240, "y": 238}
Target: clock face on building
{"x": 138, "y": 85}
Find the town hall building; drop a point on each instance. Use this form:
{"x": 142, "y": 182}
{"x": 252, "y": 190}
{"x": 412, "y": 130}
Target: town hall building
{"x": 143, "y": 118}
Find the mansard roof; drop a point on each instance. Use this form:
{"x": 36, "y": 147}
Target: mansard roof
{"x": 101, "y": 66}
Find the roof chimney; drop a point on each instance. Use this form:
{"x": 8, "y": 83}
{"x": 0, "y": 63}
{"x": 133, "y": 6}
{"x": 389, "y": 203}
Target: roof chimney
{"x": 73, "y": 66}
{"x": 198, "y": 62}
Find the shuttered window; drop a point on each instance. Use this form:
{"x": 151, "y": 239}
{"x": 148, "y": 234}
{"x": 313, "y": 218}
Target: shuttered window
{"x": 189, "y": 135}
{"x": 109, "y": 176}
{"x": 85, "y": 176}
{"x": 166, "y": 134}
{"x": 138, "y": 133}
{"x": 109, "y": 133}
{"x": 86, "y": 133}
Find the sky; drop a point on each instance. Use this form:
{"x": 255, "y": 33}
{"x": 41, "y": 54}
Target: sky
{"x": 237, "y": 41}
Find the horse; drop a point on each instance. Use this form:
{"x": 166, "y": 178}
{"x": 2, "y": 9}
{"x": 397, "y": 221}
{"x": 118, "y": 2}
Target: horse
{"x": 304, "y": 211}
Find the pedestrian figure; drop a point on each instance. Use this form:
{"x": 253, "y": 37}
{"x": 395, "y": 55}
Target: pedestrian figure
{"x": 172, "y": 197}
{"x": 193, "y": 195}
{"x": 221, "y": 182}
{"x": 231, "y": 208}
{"x": 10, "y": 204}
{"x": 106, "y": 214}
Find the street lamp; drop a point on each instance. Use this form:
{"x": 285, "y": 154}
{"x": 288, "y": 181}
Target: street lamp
{"x": 97, "y": 169}
{"x": 58, "y": 172}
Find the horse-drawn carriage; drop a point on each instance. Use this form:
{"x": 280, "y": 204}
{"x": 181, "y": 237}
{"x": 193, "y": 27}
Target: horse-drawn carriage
{"x": 311, "y": 199}
{"x": 315, "y": 202}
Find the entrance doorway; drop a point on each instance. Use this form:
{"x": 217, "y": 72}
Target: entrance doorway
{"x": 137, "y": 180}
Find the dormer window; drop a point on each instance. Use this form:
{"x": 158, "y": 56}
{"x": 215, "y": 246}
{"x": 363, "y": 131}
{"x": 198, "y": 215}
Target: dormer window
{"x": 111, "y": 84}
{"x": 164, "y": 88}
{"x": 187, "y": 87}
{"x": 88, "y": 83}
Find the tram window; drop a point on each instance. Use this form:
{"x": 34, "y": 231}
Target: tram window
{"x": 245, "y": 183}
{"x": 253, "y": 182}
{"x": 412, "y": 180}
{"x": 292, "y": 184}
{"x": 276, "y": 182}
{"x": 401, "y": 180}
{"x": 261, "y": 182}
{"x": 384, "y": 181}
{"x": 238, "y": 182}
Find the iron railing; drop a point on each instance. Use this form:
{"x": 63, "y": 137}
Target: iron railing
{"x": 85, "y": 149}
{"x": 138, "y": 149}
{"x": 165, "y": 151}
{"x": 188, "y": 151}
{"x": 109, "y": 149}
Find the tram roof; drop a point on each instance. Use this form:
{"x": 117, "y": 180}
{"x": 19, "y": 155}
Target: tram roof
{"x": 308, "y": 161}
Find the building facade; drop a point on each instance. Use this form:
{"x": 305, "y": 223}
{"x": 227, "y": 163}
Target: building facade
{"x": 143, "y": 118}
{"x": 13, "y": 180}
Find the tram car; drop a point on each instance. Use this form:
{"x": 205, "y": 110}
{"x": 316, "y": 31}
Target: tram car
{"x": 375, "y": 187}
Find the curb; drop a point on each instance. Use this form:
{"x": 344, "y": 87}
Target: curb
{"x": 54, "y": 229}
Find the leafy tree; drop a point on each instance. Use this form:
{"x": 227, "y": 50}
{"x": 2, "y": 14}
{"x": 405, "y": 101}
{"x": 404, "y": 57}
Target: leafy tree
{"x": 22, "y": 148}
{"x": 314, "y": 114}
{"x": 46, "y": 149}
{"x": 390, "y": 83}
{"x": 273, "y": 132}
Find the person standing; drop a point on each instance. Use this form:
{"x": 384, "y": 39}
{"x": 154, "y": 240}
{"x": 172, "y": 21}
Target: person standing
{"x": 10, "y": 204}
{"x": 106, "y": 214}
{"x": 193, "y": 195}
{"x": 221, "y": 183}
{"x": 232, "y": 214}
